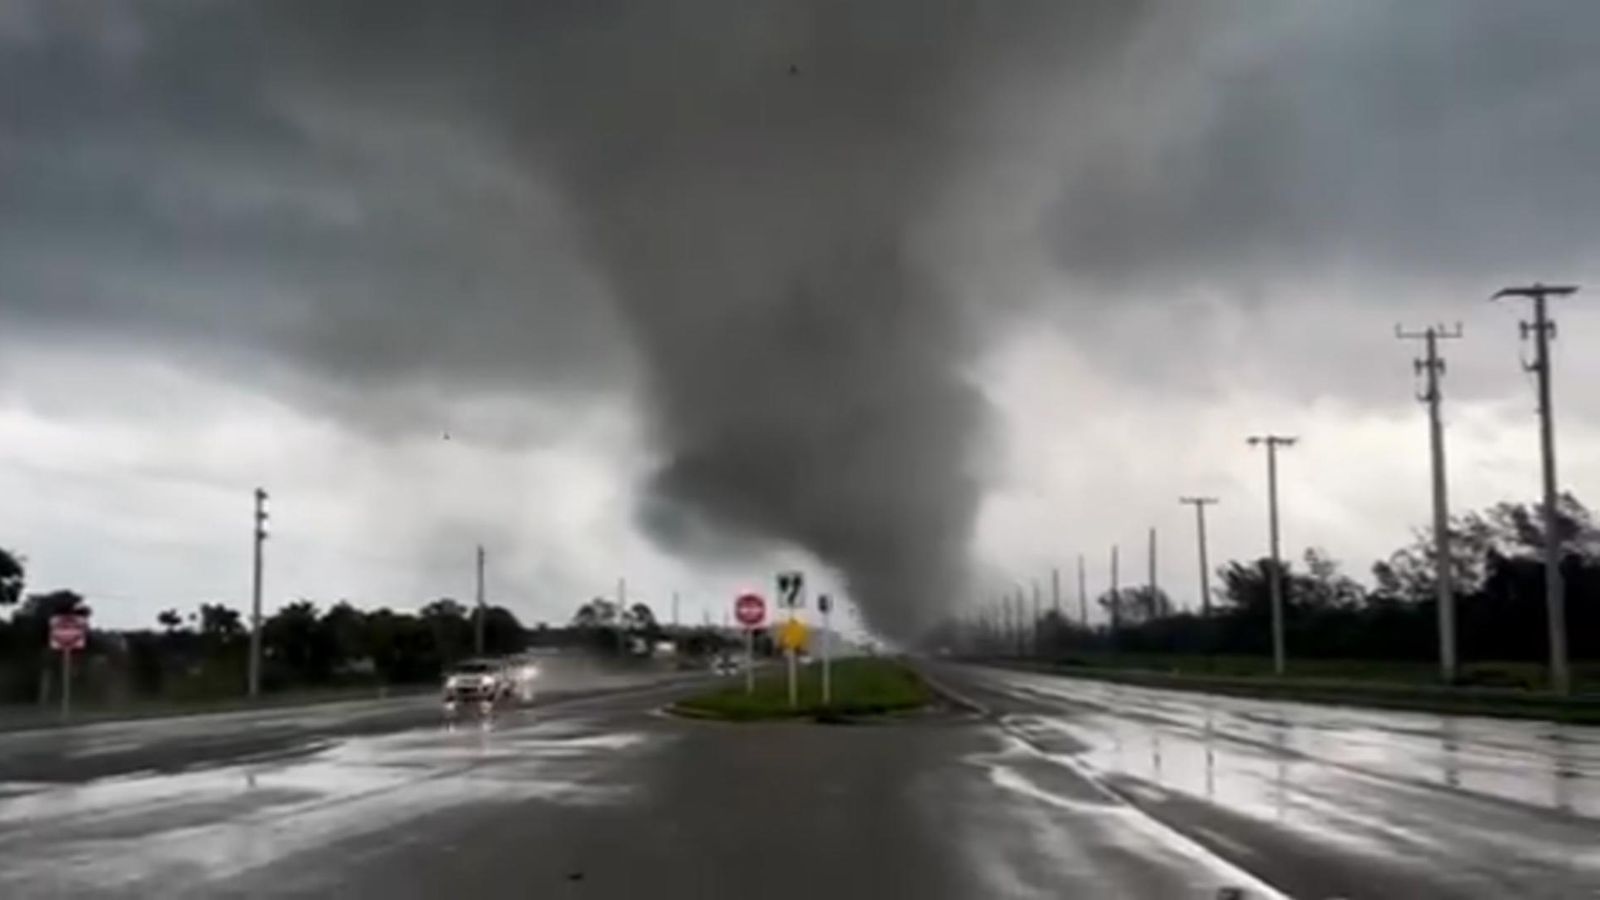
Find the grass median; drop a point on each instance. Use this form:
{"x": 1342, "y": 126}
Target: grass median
{"x": 861, "y": 686}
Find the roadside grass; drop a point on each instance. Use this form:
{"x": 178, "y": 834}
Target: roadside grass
{"x": 861, "y": 686}
{"x": 24, "y": 717}
{"x": 1507, "y": 690}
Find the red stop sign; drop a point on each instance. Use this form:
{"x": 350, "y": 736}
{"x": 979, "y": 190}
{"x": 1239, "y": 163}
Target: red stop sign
{"x": 68, "y": 632}
{"x": 750, "y": 610}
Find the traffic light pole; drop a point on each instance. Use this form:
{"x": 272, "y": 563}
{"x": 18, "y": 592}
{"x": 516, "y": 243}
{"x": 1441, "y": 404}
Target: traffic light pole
{"x": 825, "y": 606}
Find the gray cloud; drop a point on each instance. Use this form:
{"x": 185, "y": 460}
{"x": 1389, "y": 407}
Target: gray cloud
{"x": 198, "y": 193}
{"x": 1441, "y": 138}
{"x": 755, "y": 206}
{"x": 739, "y": 211}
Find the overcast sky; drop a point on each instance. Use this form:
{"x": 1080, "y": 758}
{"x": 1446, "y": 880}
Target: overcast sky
{"x": 924, "y": 297}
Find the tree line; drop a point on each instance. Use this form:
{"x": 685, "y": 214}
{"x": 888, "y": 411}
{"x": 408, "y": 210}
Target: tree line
{"x": 1498, "y": 578}
{"x": 204, "y": 653}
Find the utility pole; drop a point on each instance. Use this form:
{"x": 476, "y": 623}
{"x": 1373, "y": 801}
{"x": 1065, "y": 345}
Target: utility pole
{"x": 1022, "y": 626}
{"x": 1008, "y": 637}
{"x": 1543, "y": 330}
{"x": 1275, "y": 578}
{"x": 1116, "y": 599}
{"x": 622, "y": 617}
{"x": 1034, "y": 626}
{"x": 255, "y": 596}
{"x": 1154, "y": 592}
{"x": 1200, "y": 504}
{"x": 1083, "y": 596}
{"x": 1055, "y": 590}
{"x": 674, "y": 611}
{"x": 483, "y": 612}
{"x": 1008, "y": 626}
{"x": 1432, "y": 366}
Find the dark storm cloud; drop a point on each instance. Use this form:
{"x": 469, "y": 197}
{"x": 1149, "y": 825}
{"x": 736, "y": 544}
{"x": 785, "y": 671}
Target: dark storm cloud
{"x": 745, "y": 178}
{"x": 751, "y": 178}
{"x": 176, "y": 180}
{"x": 1447, "y": 139}
{"x": 726, "y": 205}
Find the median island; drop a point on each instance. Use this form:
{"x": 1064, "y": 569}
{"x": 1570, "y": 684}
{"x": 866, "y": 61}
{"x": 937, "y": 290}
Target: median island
{"x": 862, "y": 687}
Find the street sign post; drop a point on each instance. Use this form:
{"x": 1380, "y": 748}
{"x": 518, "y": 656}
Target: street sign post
{"x": 825, "y": 606}
{"x": 68, "y": 632}
{"x": 792, "y": 635}
{"x": 791, "y": 594}
{"x": 751, "y": 611}
{"x": 791, "y": 588}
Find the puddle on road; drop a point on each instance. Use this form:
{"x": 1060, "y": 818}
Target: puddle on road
{"x": 1168, "y": 737}
{"x": 1506, "y": 800}
{"x": 208, "y": 824}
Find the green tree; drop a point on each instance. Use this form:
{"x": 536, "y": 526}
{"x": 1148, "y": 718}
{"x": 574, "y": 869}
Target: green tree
{"x": 502, "y": 633}
{"x": 345, "y": 633}
{"x": 219, "y": 624}
{"x": 292, "y": 640}
{"x": 446, "y": 620}
{"x": 12, "y": 574}
{"x": 1134, "y": 605}
{"x": 43, "y": 606}
{"x": 597, "y": 613}
{"x": 1324, "y": 586}
{"x": 402, "y": 646}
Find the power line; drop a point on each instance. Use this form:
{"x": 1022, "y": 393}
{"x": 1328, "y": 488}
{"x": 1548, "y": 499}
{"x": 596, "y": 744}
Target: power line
{"x": 1543, "y": 331}
{"x": 1431, "y": 366}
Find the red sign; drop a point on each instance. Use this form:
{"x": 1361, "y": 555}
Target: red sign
{"x": 750, "y": 610}
{"x": 68, "y": 632}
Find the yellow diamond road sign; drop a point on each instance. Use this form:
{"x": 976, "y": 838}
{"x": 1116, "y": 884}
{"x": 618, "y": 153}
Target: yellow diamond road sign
{"x": 792, "y": 635}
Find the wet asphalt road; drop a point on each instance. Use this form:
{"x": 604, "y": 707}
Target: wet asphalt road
{"x": 1051, "y": 788}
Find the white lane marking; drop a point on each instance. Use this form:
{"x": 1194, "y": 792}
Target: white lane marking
{"x": 1158, "y": 832}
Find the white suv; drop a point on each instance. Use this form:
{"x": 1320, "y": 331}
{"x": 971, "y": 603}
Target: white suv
{"x": 476, "y": 680}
